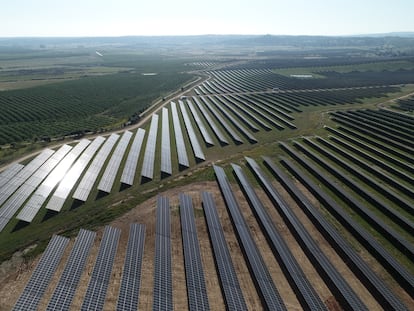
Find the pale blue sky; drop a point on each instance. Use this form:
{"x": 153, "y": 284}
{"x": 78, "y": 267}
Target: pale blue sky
{"x": 186, "y": 17}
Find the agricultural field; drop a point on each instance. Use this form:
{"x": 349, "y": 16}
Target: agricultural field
{"x": 291, "y": 193}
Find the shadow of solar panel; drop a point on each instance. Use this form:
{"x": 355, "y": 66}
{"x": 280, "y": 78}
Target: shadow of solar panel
{"x": 131, "y": 277}
{"x": 162, "y": 295}
{"x": 99, "y": 281}
{"x": 230, "y": 286}
{"x": 196, "y": 287}
{"x": 36, "y": 287}
{"x": 63, "y": 295}
{"x": 266, "y": 288}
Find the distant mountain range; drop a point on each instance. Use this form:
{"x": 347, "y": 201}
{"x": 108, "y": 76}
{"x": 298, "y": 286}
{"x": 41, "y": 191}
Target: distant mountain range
{"x": 406, "y": 34}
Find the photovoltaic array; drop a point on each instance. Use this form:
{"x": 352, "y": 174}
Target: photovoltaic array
{"x": 99, "y": 281}
{"x": 131, "y": 275}
{"x": 194, "y": 274}
{"x": 266, "y": 288}
{"x": 162, "y": 295}
{"x": 63, "y": 295}
{"x": 232, "y": 292}
{"x": 35, "y": 288}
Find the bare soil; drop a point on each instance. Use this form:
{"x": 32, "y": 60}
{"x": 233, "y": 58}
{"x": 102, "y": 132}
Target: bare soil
{"x": 15, "y": 277}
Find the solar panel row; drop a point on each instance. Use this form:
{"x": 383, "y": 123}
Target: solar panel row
{"x": 341, "y": 289}
{"x": 163, "y": 297}
{"x": 68, "y": 182}
{"x": 23, "y": 193}
{"x": 236, "y": 123}
{"x": 223, "y": 100}
{"x": 108, "y": 177}
{"x": 10, "y": 207}
{"x": 9, "y": 172}
{"x": 196, "y": 286}
{"x": 203, "y": 130}
{"x": 179, "y": 139}
{"x": 223, "y": 122}
{"x": 165, "y": 144}
{"x": 131, "y": 276}
{"x": 265, "y": 286}
{"x": 149, "y": 156}
{"x": 45, "y": 189}
{"x": 253, "y": 116}
{"x": 211, "y": 122}
{"x": 303, "y": 289}
{"x": 36, "y": 287}
{"x": 65, "y": 291}
{"x": 232, "y": 292}
{"x": 130, "y": 167}
{"x": 8, "y": 189}
{"x": 99, "y": 281}
{"x": 361, "y": 268}
{"x": 198, "y": 151}
{"x": 85, "y": 186}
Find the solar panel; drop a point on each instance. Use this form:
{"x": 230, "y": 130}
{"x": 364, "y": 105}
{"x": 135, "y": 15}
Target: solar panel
{"x": 101, "y": 274}
{"x": 30, "y": 185}
{"x": 230, "y": 286}
{"x": 9, "y": 172}
{"x": 165, "y": 144}
{"x": 203, "y": 130}
{"x": 162, "y": 294}
{"x": 211, "y": 122}
{"x": 130, "y": 167}
{"x": 302, "y": 287}
{"x": 236, "y": 123}
{"x": 43, "y": 191}
{"x": 108, "y": 177}
{"x": 338, "y": 285}
{"x": 198, "y": 151}
{"x": 265, "y": 286}
{"x": 65, "y": 290}
{"x": 18, "y": 179}
{"x": 149, "y": 156}
{"x": 88, "y": 180}
{"x": 179, "y": 139}
{"x": 223, "y": 122}
{"x": 196, "y": 286}
{"x": 131, "y": 276}
{"x": 39, "y": 281}
{"x": 65, "y": 186}
{"x": 235, "y": 102}
{"x": 358, "y": 265}
{"x": 230, "y": 106}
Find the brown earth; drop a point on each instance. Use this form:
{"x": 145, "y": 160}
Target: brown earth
{"x": 13, "y": 283}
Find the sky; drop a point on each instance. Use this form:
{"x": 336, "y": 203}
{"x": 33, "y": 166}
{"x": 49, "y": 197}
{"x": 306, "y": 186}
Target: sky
{"x": 193, "y": 17}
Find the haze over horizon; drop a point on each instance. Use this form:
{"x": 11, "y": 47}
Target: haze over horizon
{"x": 50, "y": 18}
